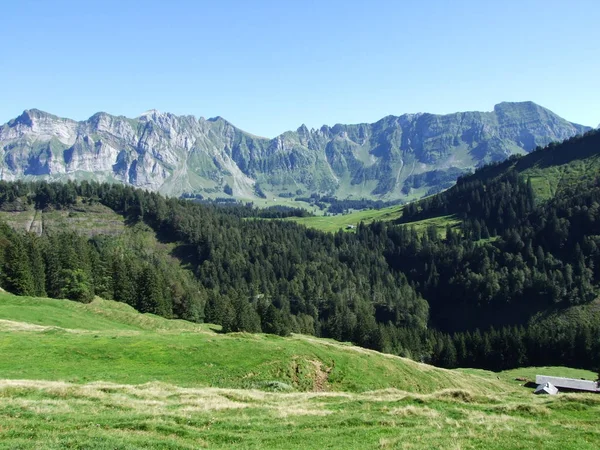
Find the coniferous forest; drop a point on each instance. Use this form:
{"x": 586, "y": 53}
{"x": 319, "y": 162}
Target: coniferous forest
{"x": 487, "y": 294}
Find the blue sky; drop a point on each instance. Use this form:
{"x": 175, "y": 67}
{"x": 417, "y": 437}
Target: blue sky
{"x": 269, "y": 66}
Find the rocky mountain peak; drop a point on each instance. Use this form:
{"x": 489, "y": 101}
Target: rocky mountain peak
{"x": 29, "y": 116}
{"x": 527, "y": 105}
{"x": 398, "y": 156}
{"x": 303, "y": 129}
{"x": 151, "y": 113}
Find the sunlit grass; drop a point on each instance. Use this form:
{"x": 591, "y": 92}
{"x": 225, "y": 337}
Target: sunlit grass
{"x": 343, "y": 221}
{"x": 104, "y": 376}
{"x": 51, "y": 415}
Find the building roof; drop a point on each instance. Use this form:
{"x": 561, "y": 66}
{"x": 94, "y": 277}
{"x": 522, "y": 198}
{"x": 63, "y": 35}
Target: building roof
{"x": 569, "y": 383}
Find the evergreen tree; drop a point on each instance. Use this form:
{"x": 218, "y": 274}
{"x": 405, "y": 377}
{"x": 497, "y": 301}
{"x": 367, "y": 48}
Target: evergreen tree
{"x": 17, "y": 270}
{"x": 38, "y": 269}
{"x": 151, "y": 298}
{"x": 76, "y": 285}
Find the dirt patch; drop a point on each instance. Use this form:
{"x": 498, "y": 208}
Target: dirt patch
{"x": 321, "y": 375}
{"x": 310, "y": 375}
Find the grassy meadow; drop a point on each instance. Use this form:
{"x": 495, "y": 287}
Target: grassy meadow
{"x": 83, "y": 218}
{"x": 338, "y": 222}
{"x": 104, "y": 376}
{"x": 341, "y": 221}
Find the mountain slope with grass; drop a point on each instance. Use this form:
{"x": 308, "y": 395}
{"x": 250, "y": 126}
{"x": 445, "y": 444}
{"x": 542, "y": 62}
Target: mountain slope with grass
{"x": 110, "y": 341}
{"x": 556, "y": 169}
{"x": 398, "y": 157}
{"x": 102, "y": 375}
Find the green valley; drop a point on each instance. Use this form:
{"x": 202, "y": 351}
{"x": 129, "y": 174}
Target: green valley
{"x": 338, "y": 225}
{"x": 348, "y": 222}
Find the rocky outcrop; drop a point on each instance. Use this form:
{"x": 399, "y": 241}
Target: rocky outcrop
{"x": 405, "y": 156}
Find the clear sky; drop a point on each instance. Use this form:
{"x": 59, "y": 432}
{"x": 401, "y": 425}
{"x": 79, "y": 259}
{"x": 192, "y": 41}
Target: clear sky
{"x": 269, "y": 66}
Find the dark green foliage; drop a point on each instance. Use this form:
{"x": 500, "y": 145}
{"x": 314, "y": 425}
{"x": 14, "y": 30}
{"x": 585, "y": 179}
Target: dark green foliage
{"x": 37, "y": 266}
{"x": 17, "y": 270}
{"x": 124, "y": 280}
{"x": 258, "y": 191}
{"x": 76, "y": 285}
{"x": 151, "y": 295}
{"x": 249, "y": 210}
{"x": 273, "y": 320}
{"x": 512, "y": 258}
{"x": 246, "y": 318}
{"x": 273, "y": 276}
{"x": 66, "y": 265}
{"x": 337, "y": 206}
{"x": 543, "y": 255}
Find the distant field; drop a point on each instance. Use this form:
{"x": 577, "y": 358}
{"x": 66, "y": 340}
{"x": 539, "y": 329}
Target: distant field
{"x": 104, "y": 376}
{"x": 514, "y": 376}
{"x": 86, "y": 219}
{"x": 547, "y": 181}
{"x": 334, "y": 223}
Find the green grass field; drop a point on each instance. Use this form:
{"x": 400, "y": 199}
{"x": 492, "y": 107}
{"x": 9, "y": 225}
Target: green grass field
{"x": 104, "y": 376}
{"x": 549, "y": 179}
{"x": 334, "y": 223}
{"x": 83, "y": 218}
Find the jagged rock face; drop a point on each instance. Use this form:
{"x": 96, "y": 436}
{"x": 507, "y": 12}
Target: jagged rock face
{"x": 406, "y": 156}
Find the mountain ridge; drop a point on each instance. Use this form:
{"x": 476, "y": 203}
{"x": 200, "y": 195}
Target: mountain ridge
{"x": 184, "y": 154}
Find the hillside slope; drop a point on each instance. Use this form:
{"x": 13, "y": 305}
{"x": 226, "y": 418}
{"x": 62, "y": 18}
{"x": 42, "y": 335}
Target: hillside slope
{"x": 62, "y": 340}
{"x": 404, "y": 156}
{"x": 560, "y": 171}
{"x": 541, "y": 213}
{"x": 104, "y": 376}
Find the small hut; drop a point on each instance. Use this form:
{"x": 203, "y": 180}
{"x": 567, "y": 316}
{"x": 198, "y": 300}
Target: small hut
{"x": 546, "y": 388}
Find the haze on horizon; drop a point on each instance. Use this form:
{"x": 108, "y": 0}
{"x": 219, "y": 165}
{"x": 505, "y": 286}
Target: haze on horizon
{"x": 268, "y": 67}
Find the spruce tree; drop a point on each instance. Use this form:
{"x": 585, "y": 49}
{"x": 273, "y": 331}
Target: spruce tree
{"x": 37, "y": 265}
{"x": 151, "y": 298}
{"x": 76, "y": 285}
{"x": 17, "y": 269}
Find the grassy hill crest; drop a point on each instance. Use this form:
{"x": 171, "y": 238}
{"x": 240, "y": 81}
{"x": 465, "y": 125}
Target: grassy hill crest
{"x": 102, "y": 375}
{"x": 85, "y": 337}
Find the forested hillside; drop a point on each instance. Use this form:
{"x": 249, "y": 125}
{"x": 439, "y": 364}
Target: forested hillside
{"x": 543, "y": 252}
{"x": 514, "y": 284}
{"x": 254, "y": 275}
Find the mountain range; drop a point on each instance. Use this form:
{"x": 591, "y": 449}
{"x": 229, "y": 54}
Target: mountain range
{"x": 397, "y": 157}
